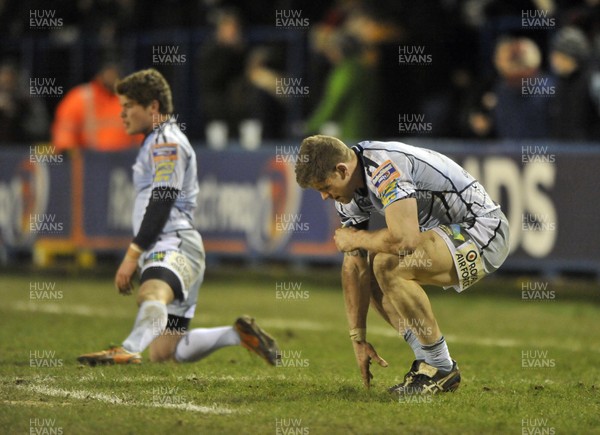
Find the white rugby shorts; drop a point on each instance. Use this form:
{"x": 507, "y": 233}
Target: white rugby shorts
{"x": 182, "y": 253}
{"x": 478, "y": 247}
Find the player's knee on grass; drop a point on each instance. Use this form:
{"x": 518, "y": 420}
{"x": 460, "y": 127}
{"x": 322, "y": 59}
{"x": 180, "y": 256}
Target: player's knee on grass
{"x": 155, "y": 290}
{"x": 163, "y": 348}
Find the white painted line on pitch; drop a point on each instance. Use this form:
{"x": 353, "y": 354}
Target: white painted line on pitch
{"x": 303, "y": 325}
{"x": 488, "y": 342}
{"x": 91, "y": 378}
{"x": 492, "y": 342}
{"x": 72, "y": 309}
{"x": 114, "y": 400}
{"x": 34, "y": 403}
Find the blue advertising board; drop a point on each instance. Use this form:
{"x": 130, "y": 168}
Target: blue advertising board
{"x": 250, "y": 206}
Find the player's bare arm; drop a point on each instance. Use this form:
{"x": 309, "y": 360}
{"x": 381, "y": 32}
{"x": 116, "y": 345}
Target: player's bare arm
{"x": 401, "y": 237}
{"x": 356, "y": 283}
{"x": 127, "y": 269}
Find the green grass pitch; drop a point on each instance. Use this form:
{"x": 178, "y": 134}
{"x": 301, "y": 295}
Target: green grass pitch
{"x": 528, "y": 366}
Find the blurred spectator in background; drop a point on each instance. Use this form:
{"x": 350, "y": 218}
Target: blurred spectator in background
{"x": 333, "y": 21}
{"x": 573, "y": 115}
{"x": 459, "y": 111}
{"x": 264, "y": 102}
{"x": 521, "y": 93}
{"x": 380, "y": 35}
{"x": 480, "y": 120}
{"x": 351, "y": 91}
{"x": 503, "y": 8}
{"x": 89, "y": 116}
{"x": 458, "y": 92}
{"x": 221, "y": 68}
{"x": 477, "y": 112}
{"x": 585, "y": 15}
{"x": 375, "y": 26}
{"x": 23, "y": 118}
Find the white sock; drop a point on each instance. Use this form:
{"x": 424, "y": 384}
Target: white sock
{"x": 149, "y": 324}
{"x": 201, "y": 342}
{"x": 412, "y": 341}
{"x": 437, "y": 355}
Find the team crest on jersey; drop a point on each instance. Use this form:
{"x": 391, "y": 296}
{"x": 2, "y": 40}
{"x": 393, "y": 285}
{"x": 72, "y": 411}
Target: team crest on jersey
{"x": 384, "y": 175}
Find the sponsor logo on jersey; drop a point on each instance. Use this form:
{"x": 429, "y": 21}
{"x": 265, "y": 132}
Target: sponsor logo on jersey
{"x": 389, "y": 195}
{"x": 164, "y": 151}
{"x": 164, "y": 170}
{"x": 469, "y": 264}
{"x": 467, "y": 260}
{"x": 384, "y": 179}
{"x": 471, "y": 256}
{"x": 384, "y": 175}
{"x": 164, "y": 156}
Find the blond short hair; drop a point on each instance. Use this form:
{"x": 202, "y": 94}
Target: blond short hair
{"x": 146, "y": 86}
{"x": 318, "y": 157}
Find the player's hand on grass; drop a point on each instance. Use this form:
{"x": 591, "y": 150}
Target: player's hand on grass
{"x": 124, "y": 274}
{"x": 344, "y": 239}
{"x": 364, "y": 353}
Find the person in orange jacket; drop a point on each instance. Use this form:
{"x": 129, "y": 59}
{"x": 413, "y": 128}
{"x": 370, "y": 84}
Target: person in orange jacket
{"x": 89, "y": 116}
